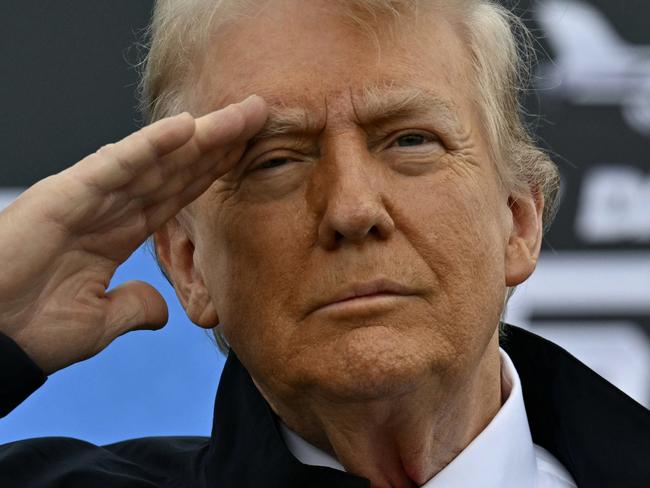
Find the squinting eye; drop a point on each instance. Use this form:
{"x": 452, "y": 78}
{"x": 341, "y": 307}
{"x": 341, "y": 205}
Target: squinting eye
{"x": 272, "y": 163}
{"x": 410, "y": 140}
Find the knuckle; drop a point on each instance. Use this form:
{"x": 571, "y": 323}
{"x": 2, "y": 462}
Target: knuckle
{"x": 106, "y": 150}
{"x": 109, "y": 153}
{"x": 148, "y": 144}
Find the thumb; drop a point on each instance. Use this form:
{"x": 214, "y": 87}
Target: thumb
{"x": 135, "y": 305}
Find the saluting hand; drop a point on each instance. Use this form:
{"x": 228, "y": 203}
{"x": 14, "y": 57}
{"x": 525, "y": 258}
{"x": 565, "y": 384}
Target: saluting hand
{"x": 63, "y": 238}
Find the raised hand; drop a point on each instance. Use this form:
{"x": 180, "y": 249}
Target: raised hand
{"x": 63, "y": 238}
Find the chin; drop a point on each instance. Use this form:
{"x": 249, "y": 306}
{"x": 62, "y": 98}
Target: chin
{"x": 368, "y": 363}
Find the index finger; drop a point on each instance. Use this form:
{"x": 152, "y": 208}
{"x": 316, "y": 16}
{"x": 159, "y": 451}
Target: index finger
{"x": 115, "y": 165}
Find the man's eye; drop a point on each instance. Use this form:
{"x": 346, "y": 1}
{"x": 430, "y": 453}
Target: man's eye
{"x": 409, "y": 140}
{"x": 272, "y": 163}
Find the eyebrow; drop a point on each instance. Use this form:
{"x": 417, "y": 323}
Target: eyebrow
{"x": 378, "y": 105}
{"x": 374, "y": 107}
{"x": 285, "y": 120}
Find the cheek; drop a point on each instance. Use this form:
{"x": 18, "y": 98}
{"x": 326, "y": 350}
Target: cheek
{"x": 455, "y": 216}
{"x": 455, "y": 225}
{"x": 261, "y": 254}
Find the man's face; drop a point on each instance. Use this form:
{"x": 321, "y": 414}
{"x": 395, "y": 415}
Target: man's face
{"x": 375, "y": 181}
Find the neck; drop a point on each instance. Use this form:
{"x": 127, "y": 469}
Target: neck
{"x": 406, "y": 440}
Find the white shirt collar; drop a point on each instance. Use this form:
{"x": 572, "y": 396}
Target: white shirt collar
{"x": 501, "y": 456}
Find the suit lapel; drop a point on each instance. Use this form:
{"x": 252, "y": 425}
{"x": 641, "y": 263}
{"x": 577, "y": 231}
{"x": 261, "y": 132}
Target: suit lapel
{"x": 600, "y": 434}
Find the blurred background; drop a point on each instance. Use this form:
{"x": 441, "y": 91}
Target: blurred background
{"x": 67, "y": 87}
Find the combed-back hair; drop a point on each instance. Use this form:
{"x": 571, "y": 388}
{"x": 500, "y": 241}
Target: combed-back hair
{"x": 501, "y": 54}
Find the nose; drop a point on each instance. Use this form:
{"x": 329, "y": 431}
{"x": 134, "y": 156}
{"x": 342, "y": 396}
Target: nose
{"x": 354, "y": 204}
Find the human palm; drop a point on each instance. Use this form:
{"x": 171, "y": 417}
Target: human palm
{"x": 63, "y": 238}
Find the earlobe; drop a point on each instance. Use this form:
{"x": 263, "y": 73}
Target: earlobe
{"x": 525, "y": 239}
{"x": 200, "y": 309}
{"x": 176, "y": 255}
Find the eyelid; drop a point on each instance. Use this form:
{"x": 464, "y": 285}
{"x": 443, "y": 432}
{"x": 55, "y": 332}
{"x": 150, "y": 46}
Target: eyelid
{"x": 407, "y": 132}
{"x": 259, "y": 166}
{"x": 263, "y": 159}
{"x": 267, "y": 156}
{"x": 277, "y": 144}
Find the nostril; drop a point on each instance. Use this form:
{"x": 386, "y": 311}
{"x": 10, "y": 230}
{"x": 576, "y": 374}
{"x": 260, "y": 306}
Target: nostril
{"x": 356, "y": 233}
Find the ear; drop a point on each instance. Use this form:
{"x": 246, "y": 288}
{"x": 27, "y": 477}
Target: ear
{"x": 176, "y": 254}
{"x": 525, "y": 239}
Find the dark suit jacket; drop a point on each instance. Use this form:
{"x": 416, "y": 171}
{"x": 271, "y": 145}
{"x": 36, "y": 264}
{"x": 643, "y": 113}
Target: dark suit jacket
{"x": 597, "y": 432}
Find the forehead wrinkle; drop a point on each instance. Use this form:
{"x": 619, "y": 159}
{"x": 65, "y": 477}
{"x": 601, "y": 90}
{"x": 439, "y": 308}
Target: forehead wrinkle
{"x": 377, "y": 104}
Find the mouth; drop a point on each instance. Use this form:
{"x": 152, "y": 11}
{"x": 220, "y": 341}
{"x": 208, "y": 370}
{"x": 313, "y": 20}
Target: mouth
{"x": 367, "y": 296}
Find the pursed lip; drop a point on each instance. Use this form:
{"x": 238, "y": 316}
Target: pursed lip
{"x": 366, "y": 289}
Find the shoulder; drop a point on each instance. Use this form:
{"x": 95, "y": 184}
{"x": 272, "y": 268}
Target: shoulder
{"x": 60, "y": 461}
{"x": 596, "y": 431}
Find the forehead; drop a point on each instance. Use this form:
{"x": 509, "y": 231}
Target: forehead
{"x": 310, "y": 55}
